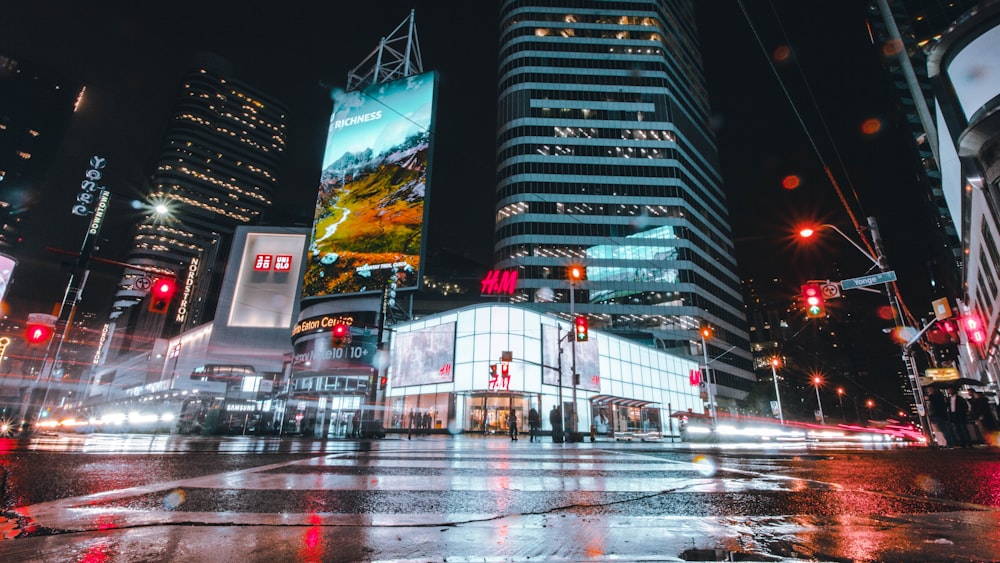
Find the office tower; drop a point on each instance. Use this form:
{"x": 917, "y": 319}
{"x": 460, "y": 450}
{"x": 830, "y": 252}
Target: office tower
{"x": 217, "y": 170}
{"x": 35, "y": 107}
{"x": 907, "y": 31}
{"x": 605, "y": 159}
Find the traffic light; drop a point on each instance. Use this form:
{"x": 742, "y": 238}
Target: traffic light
{"x": 581, "y": 329}
{"x": 341, "y": 335}
{"x": 812, "y": 296}
{"x": 974, "y": 329}
{"x": 160, "y": 293}
{"x": 38, "y": 333}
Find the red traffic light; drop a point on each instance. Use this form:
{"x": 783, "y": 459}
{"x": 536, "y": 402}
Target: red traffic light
{"x": 581, "y": 329}
{"x": 38, "y": 333}
{"x": 163, "y": 288}
{"x": 160, "y": 293}
{"x": 340, "y": 334}
{"x": 812, "y": 296}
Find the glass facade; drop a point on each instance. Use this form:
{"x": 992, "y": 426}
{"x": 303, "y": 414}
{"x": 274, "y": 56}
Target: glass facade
{"x": 625, "y": 387}
{"x": 605, "y": 160}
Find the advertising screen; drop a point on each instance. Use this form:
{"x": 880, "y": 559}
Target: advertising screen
{"x": 369, "y": 220}
{"x": 423, "y": 357}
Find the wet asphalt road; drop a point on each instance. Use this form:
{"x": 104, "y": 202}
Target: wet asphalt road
{"x": 436, "y": 498}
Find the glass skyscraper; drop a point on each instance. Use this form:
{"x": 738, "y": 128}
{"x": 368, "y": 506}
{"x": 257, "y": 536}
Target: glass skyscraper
{"x": 605, "y": 160}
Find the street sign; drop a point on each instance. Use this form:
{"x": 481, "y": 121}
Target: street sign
{"x": 830, "y": 290}
{"x": 142, "y": 284}
{"x": 865, "y": 281}
{"x": 942, "y": 310}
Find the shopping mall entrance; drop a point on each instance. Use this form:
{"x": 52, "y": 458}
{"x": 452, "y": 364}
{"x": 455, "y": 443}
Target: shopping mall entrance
{"x": 486, "y": 412}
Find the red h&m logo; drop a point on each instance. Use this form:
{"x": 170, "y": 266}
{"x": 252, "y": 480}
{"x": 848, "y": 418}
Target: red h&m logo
{"x": 496, "y": 281}
{"x": 279, "y": 262}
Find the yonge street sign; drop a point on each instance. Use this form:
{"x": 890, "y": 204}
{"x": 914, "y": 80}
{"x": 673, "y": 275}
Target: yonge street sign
{"x": 865, "y": 281}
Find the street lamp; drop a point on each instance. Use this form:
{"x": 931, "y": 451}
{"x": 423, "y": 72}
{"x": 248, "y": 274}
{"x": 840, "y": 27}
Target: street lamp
{"x": 774, "y": 373}
{"x": 840, "y": 399}
{"x": 575, "y": 276}
{"x": 817, "y": 380}
{"x": 706, "y": 333}
{"x": 869, "y": 403}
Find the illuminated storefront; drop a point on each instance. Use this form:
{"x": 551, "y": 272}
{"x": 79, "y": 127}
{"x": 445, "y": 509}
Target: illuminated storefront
{"x": 465, "y": 370}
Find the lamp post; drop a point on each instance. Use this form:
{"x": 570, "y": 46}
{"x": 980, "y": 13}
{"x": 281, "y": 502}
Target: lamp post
{"x": 575, "y": 275}
{"x": 816, "y": 382}
{"x": 706, "y": 333}
{"x": 879, "y": 261}
{"x": 840, "y": 400}
{"x": 869, "y": 403}
{"x": 774, "y": 374}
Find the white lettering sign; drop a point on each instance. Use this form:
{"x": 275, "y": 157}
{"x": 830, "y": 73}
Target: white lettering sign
{"x": 85, "y": 197}
{"x": 355, "y": 119}
{"x": 182, "y": 309}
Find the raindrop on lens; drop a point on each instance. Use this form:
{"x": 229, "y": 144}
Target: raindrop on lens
{"x": 174, "y": 499}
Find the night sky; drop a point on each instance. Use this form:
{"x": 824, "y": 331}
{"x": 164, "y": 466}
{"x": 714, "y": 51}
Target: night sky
{"x": 132, "y": 56}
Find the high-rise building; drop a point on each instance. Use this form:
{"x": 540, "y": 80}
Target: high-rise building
{"x": 217, "y": 170}
{"x": 605, "y": 160}
{"x": 907, "y": 31}
{"x": 35, "y": 107}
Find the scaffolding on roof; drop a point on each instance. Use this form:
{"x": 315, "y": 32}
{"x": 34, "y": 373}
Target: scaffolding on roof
{"x": 397, "y": 56}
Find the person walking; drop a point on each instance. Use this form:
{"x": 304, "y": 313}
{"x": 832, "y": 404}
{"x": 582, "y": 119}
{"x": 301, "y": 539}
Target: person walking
{"x": 512, "y": 425}
{"x": 960, "y": 419}
{"x": 555, "y": 419}
{"x": 534, "y": 423}
{"x": 981, "y": 413}
{"x": 937, "y": 411}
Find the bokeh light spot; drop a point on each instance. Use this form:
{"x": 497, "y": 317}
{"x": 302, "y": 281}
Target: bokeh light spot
{"x": 885, "y": 312}
{"x": 705, "y": 465}
{"x": 892, "y": 48}
{"x": 174, "y": 499}
{"x": 782, "y": 54}
{"x": 928, "y": 484}
{"x": 791, "y": 182}
{"x": 871, "y": 126}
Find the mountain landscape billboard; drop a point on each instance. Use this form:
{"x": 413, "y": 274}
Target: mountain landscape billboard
{"x": 369, "y": 221}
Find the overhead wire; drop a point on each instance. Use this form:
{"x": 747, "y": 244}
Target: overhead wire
{"x": 904, "y": 312}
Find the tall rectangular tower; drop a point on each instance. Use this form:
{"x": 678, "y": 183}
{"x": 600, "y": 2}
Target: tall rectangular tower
{"x": 605, "y": 160}
{"x": 217, "y": 170}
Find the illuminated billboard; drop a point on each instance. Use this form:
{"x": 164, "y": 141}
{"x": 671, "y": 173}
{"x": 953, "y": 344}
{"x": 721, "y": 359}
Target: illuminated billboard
{"x": 424, "y": 356}
{"x": 369, "y": 221}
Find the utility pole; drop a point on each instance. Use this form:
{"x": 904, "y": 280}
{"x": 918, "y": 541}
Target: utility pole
{"x": 911, "y": 366}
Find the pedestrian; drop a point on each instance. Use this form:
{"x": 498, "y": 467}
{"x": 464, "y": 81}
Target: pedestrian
{"x": 981, "y": 413}
{"x": 427, "y": 422}
{"x": 555, "y": 419}
{"x": 356, "y": 425}
{"x": 534, "y": 423}
{"x": 959, "y": 412}
{"x": 937, "y": 411}
{"x": 512, "y": 425}
{"x": 411, "y": 424}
